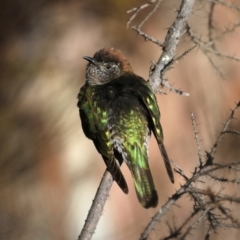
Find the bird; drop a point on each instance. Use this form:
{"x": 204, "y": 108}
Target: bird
{"x": 119, "y": 111}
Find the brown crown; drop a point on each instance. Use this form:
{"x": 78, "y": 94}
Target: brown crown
{"x": 113, "y": 55}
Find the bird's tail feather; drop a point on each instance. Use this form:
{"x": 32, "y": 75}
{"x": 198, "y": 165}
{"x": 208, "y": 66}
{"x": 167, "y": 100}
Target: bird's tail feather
{"x": 166, "y": 161}
{"x": 144, "y": 186}
{"x": 114, "y": 168}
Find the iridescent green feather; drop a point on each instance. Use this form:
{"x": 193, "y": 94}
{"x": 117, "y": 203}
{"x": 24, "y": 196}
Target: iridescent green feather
{"x": 132, "y": 127}
{"x": 94, "y": 118}
{"x": 150, "y": 102}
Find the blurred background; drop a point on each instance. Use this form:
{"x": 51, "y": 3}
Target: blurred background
{"x": 49, "y": 171}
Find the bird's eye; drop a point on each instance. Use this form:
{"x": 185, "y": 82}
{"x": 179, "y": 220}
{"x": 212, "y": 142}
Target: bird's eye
{"x": 108, "y": 66}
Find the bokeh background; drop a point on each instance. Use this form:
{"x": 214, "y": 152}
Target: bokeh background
{"x": 49, "y": 171}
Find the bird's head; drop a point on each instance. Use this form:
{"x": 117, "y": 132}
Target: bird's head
{"x": 106, "y": 65}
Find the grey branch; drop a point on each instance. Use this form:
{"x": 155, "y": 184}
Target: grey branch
{"x": 175, "y": 32}
{"x": 96, "y": 209}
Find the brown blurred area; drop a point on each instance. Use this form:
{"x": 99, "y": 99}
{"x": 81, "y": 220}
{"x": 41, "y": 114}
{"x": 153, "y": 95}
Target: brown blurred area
{"x": 49, "y": 171}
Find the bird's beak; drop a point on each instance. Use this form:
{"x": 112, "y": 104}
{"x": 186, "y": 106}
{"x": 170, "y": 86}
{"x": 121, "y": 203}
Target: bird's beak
{"x": 90, "y": 59}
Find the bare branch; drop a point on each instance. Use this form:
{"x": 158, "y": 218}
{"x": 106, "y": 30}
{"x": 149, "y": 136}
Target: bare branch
{"x": 197, "y": 139}
{"x": 224, "y": 180}
{"x": 96, "y": 209}
{"x": 228, "y": 166}
{"x": 166, "y": 84}
{"x": 192, "y": 226}
{"x": 223, "y": 55}
{"x": 221, "y": 35}
{"x": 208, "y": 234}
{"x": 214, "y": 65}
{"x": 210, "y": 21}
{"x": 136, "y": 10}
{"x": 219, "y": 196}
{"x": 174, "y": 234}
{"x": 172, "y": 39}
{"x": 210, "y": 46}
{"x": 177, "y": 195}
{"x": 179, "y": 170}
{"x": 232, "y": 132}
{"x": 151, "y": 13}
{"x": 160, "y": 213}
{"x": 147, "y": 37}
{"x": 226, "y": 4}
{"x": 180, "y": 57}
{"x": 206, "y": 169}
{"x": 229, "y": 216}
{"x": 224, "y": 129}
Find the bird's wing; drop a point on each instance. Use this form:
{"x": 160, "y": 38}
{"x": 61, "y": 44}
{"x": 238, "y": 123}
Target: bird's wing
{"x": 130, "y": 133}
{"x": 148, "y": 98}
{"x": 94, "y": 117}
{"x": 87, "y": 119}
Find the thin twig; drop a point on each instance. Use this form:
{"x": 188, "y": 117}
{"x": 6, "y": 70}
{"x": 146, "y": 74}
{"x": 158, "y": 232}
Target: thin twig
{"x": 192, "y": 226}
{"x": 229, "y": 216}
{"x": 214, "y": 64}
{"x": 232, "y": 132}
{"x": 221, "y": 35}
{"x": 171, "y": 88}
{"x": 197, "y": 140}
{"x": 213, "y": 150}
{"x": 179, "y": 170}
{"x": 224, "y": 180}
{"x": 210, "y": 46}
{"x": 208, "y": 234}
{"x": 147, "y": 37}
{"x": 219, "y": 196}
{"x": 150, "y": 14}
{"x": 180, "y": 57}
{"x": 136, "y": 10}
{"x": 222, "y": 55}
{"x": 226, "y": 4}
{"x": 174, "y": 234}
{"x": 210, "y": 23}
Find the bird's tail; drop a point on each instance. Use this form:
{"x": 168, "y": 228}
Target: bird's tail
{"x": 114, "y": 168}
{"x": 144, "y": 186}
{"x": 166, "y": 161}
